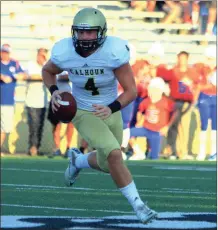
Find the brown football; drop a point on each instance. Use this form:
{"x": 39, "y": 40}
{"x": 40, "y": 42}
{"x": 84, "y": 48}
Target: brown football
{"x": 68, "y": 107}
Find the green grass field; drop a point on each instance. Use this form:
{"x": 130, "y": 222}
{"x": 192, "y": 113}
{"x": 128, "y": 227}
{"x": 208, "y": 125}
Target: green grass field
{"x": 32, "y": 186}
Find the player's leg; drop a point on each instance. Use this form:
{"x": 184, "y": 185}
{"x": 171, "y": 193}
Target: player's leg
{"x": 94, "y": 131}
{"x": 120, "y": 173}
{"x": 213, "y": 116}
{"x": 204, "y": 110}
{"x": 108, "y": 157}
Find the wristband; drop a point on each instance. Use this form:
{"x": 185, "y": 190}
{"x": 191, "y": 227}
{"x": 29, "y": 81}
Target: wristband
{"x": 115, "y": 106}
{"x": 53, "y": 88}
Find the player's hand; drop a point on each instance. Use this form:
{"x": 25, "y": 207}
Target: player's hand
{"x": 54, "y": 100}
{"x": 102, "y": 111}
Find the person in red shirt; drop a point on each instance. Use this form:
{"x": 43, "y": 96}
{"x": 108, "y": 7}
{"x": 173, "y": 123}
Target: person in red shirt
{"x": 207, "y": 102}
{"x": 142, "y": 78}
{"x": 183, "y": 82}
{"x": 159, "y": 114}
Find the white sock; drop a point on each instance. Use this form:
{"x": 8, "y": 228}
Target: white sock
{"x": 213, "y": 142}
{"x": 126, "y": 137}
{"x": 82, "y": 161}
{"x": 131, "y": 194}
{"x": 203, "y": 136}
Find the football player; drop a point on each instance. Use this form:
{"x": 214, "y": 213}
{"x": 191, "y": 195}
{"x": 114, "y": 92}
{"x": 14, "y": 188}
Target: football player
{"x": 95, "y": 63}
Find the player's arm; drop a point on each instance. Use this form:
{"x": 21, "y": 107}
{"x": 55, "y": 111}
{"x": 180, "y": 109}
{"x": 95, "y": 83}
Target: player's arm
{"x": 126, "y": 79}
{"x": 63, "y": 76}
{"x": 49, "y": 72}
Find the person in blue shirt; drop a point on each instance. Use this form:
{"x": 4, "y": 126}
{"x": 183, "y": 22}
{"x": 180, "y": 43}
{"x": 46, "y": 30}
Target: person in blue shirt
{"x": 10, "y": 73}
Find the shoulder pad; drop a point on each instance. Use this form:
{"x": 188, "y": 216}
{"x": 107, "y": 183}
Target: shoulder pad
{"x": 119, "y": 51}
{"x": 60, "y": 50}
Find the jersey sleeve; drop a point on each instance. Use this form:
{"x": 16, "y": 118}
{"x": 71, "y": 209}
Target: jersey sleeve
{"x": 119, "y": 54}
{"x": 58, "y": 53}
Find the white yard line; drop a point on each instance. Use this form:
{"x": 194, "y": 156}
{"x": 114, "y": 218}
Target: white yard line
{"x": 103, "y": 174}
{"x": 65, "y": 209}
{"x": 169, "y": 190}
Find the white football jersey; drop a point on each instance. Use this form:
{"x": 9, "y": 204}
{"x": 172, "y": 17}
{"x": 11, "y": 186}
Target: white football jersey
{"x": 93, "y": 78}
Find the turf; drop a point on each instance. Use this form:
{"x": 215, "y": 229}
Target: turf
{"x": 34, "y": 186}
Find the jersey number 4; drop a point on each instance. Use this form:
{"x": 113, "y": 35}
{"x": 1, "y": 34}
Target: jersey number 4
{"x": 90, "y": 85}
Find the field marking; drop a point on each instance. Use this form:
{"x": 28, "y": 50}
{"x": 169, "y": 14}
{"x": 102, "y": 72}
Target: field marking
{"x": 169, "y": 190}
{"x": 65, "y": 209}
{"x": 175, "y": 195}
{"x": 108, "y": 211}
{"x": 104, "y": 174}
{"x": 188, "y": 168}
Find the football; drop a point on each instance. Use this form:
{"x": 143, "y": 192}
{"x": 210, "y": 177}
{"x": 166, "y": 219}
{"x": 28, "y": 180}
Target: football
{"x": 67, "y": 109}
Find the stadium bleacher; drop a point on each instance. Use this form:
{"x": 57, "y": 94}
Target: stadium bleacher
{"x": 29, "y": 24}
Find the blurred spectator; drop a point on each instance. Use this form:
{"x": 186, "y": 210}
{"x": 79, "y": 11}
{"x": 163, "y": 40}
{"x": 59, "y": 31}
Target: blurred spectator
{"x": 173, "y": 10}
{"x": 201, "y": 14}
{"x": 157, "y": 109}
{"x": 141, "y": 74}
{"x": 63, "y": 84}
{"x": 143, "y": 5}
{"x": 207, "y": 102}
{"x": 183, "y": 82}
{"x": 208, "y": 16}
{"x": 36, "y": 101}
{"x": 10, "y": 73}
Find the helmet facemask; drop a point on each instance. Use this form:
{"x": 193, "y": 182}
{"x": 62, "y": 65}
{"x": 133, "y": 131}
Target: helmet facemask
{"x": 88, "y": 45}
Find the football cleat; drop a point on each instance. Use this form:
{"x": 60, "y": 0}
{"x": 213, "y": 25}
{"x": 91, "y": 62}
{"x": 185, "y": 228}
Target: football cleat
{"x": 72, "y": 171}
{"x": 144, "y": 213}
